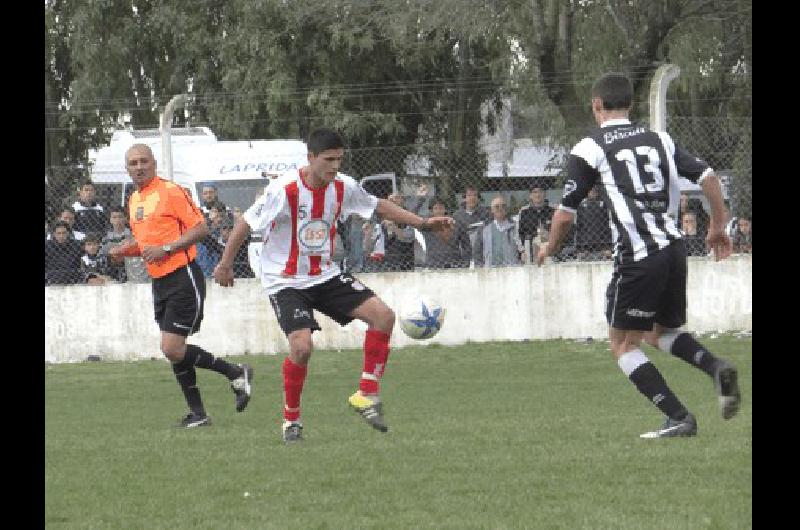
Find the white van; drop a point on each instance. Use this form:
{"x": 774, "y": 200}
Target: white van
{"x": 238, "y": 169}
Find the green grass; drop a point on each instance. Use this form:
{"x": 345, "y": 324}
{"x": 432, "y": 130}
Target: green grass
{"x": 540, "y": 434}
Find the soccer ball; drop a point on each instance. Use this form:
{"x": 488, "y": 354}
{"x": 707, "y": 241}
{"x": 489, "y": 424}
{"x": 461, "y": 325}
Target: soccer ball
{"x": 422, "y": 318}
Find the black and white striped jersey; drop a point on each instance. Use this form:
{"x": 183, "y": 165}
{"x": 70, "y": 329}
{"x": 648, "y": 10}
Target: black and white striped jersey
{"x": 637, "y": 170}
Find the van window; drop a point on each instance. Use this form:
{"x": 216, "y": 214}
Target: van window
{"x": 236, "y": 193}
{"x": 381, "y": 187}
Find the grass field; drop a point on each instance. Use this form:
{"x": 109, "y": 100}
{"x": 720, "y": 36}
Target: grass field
{"x": 539, "y": 434}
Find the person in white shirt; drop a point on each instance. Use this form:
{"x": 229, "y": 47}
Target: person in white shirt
{"x": 296, "y": 218}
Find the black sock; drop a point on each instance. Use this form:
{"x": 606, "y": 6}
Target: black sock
{"x": 650, "y": 382}
{"x": 202, "y": 359}
{"x": 187, "y": 379}
{"x": 687, "y": 348}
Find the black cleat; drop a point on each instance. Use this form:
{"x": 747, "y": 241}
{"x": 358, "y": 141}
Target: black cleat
{"x": 292, "y": 432}
{"x": 192, "y": 420}
{"x": 674, "y": 428}
{"x": 242, "y": 387}
{"x": 727, "y": 385}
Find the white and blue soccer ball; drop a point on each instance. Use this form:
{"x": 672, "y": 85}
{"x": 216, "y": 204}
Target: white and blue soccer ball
{"x": 422, "y": 318}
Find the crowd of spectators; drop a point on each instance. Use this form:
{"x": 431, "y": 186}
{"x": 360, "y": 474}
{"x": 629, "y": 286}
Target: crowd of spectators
{"x": 81, "y": 233}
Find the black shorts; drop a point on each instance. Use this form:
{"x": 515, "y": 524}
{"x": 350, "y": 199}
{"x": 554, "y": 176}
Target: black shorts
{"x": 336, "y": 298}
{"x": 178, "y": 299}
{"x": 652, "y": 290}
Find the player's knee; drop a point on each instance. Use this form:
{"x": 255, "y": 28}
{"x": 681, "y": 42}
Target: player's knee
{"x": 301, "y": 352}
{"x": 666, "y": 339}
{"x": 174, "y": 355}
{"x": 388, "y": 318}
{"x": 173, "y": 350}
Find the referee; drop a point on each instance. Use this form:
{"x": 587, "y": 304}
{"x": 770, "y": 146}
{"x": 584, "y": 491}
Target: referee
{"x": 166, "y": 224}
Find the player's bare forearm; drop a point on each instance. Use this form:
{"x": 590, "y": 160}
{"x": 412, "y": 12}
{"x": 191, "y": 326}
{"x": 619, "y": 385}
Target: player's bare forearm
{"x": 389, "y": 210}
{"x": 236, "y": 238}
{"x": 127, "y": 249}
{"x": 712, "y": 189}
{"x": 716, "y": 239}
{"x": 562, "y": 221}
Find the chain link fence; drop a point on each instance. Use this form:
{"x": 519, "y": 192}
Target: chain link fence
{"x": 518, "y": 182}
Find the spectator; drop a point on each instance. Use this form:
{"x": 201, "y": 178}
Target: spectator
{"x": 373, "y": 244}
{"x": 353, "y": 237}
{"x": 118, "y": 233}
{"x": 743, "y": 235}
{"x": 62, "y": 257}
{"x": 534, "y": 217}
{"x": 387, "y": 246}
{"x": 398, "y": 241}
{"x": 592, "y": 229}
{"x": 94, "y": 265}
{"x": 210, "y": 248}
{"x": 691, "y": 204}
{"x": 208, "y": 196}
{"x": 89, "y": 215}
{"x": 419, "y": 202}
{"x": 695, "y": 244}
{"x": 449, "y": 248}
{"x": 217, "y": 215}
{"x": 472, "y": 215}
{"x": 67, "y": 216}
{"x": 241, "y": 263}
{"x": 497, "y": 244}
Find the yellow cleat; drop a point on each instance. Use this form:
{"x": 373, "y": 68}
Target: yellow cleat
{"x": 371, "y": 411}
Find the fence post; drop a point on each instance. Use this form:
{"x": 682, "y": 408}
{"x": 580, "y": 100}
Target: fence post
{"x": 166, "y": 131}
{"x": 658, "y": 95}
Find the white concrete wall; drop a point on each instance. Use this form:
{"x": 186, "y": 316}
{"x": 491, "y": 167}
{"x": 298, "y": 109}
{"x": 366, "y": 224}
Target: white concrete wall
{"x": 559, "y": 300}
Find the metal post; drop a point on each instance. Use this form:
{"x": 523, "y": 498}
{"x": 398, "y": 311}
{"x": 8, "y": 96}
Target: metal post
{"x": 658, "y": 95}
{"x": 166, "y": 131}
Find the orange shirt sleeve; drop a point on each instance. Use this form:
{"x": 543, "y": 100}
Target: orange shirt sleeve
{"x": 183, "y": 207}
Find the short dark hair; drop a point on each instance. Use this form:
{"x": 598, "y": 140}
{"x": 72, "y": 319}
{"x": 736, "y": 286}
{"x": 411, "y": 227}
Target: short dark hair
{"x": 91, "y": 238}
{"x": 217, "y": 205}
{"x": 58, "y": 224}
{"x": 536, "y": 187}
{"x": 116, "y": 209}
{"x": 85, "y": 182}
{"x": 322, "y": 139}
{"x": 438, "y": 200}
{"x": 614, "y": 90}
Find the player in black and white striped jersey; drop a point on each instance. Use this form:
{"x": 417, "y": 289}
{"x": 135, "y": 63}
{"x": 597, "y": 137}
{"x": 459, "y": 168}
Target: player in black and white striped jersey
{"x": 637, "y": 170}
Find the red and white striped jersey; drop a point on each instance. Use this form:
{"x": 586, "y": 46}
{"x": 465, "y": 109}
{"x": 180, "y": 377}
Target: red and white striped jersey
{"x": 298, "y": 227}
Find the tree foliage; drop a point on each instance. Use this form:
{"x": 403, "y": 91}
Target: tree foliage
{"x": 384, "y": 72}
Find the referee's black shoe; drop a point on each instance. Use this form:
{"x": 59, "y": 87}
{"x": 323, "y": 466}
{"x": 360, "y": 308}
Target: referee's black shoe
{"x": 193, "y": 420}
{"x": 674, "y": 428}
{"x": 727, "y": 385}
{"x": 242, "y": 387}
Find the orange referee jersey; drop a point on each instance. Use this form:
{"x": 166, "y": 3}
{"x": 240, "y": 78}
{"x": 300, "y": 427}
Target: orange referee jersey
{"x": 159, "y": 214}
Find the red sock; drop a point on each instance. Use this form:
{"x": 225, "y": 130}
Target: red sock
{"x": 376, "y": 351}
{"x": 294, "y": 376}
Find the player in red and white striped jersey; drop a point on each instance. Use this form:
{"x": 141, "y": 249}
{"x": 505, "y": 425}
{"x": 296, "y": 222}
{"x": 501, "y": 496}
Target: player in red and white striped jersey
{"x": 296, "y": 217}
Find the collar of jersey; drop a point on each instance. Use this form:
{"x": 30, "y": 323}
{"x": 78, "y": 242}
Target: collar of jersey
{"x": 303, "y": 180}
{"x": 153, "y": 182}
{"x": 616, "y": 121}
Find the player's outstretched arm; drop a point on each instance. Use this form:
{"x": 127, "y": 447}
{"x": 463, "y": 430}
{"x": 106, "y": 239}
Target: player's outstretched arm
{"x": 559, "y": 227}
{"x": 126, "y": 249}
{"x": 223, "y": 272}
{"x": 389, "y": 210}
{"x": 717, "y": 239}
